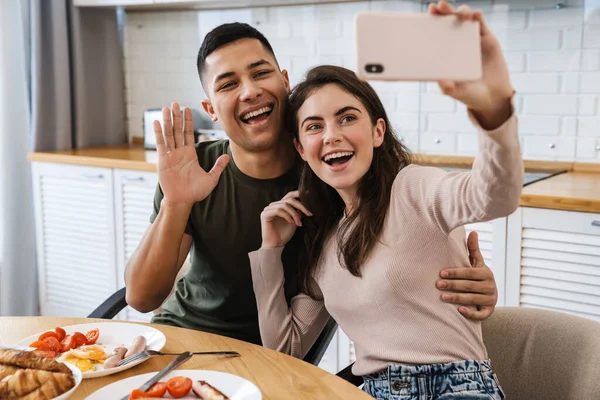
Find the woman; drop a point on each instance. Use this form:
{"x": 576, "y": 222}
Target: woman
{"x": 381, "y": 229}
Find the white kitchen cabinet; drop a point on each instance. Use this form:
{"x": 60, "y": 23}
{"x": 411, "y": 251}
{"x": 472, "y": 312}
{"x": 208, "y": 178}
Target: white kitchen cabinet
{"x": 553, "y": 261}
{"x": 134, "y": 194}
{"x": 74, "y": 212}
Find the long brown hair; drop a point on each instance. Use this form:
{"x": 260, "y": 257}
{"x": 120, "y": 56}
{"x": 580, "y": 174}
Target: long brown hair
{"x": 359, "y": 232}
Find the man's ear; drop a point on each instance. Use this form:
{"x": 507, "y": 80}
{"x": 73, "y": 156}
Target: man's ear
{"x": 207, "y": 105}
{"x": 379, "y": 132}
{"x": 286, "y": 79}
{"x": 299, "y": 149}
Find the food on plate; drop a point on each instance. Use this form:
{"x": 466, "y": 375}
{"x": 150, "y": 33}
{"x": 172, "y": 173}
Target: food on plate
{"x": 28, "y": 359}
{"x": 117, "y": 355}
{"x": 35, "y": 384}
{"x": 25, "y": 375}
{"x": 84, "y": 357}
{"x": 6, "y": 370}
{"x": 52, "y": 343}
{"x": 178, "y": 387}
{"x": 138, "y": 345}
{"x": 206, "y": 391}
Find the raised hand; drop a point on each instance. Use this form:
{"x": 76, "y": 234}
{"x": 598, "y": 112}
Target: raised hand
{"x": 488, "y": 97}
{"x": 280, "y": 219}
{"x": 181, "y": 178}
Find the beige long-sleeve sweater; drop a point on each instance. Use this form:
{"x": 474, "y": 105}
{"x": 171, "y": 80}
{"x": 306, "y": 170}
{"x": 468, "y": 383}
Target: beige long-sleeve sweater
{"x": 394, "y": 313}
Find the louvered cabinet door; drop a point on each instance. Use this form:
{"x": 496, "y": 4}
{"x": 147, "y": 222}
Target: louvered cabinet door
{"x": 134, "y": 195}
{"x": 492, "y": 242}
{"x": 74, "y": 214}
{"x": 554, "y": 261}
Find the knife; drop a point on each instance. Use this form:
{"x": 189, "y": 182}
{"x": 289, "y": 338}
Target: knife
{"x": 170, "y": 367}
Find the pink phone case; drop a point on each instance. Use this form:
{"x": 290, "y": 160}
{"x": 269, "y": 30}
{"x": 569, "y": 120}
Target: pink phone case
{"x": 417, "y": 47}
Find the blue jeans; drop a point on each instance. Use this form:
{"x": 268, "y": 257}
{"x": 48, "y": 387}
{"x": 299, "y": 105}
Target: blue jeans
{"x": 457, "y": 380}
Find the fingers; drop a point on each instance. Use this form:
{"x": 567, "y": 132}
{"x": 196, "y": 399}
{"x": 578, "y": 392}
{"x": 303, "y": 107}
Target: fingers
{"x": 477, "y": 315}
{"x": 269, "y": 214}
{"x": 160, "y": 140}
{"x": 447, "y": 87}
{"x": 475, "y": 255}
{"x": 475, "y": 274}
{"x": 468, "y": 299}
{"x": 177, "y": 125}
{"x": 291, "y": 207}
{"x": 292, "y": 195}
{"x": 219, "y": 166}
{"x": 188, "y": 127}
{"x": 168, "y": 129}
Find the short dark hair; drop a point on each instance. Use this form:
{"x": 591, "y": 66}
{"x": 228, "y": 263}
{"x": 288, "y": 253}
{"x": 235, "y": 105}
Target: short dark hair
{"x": 225, "y": 34}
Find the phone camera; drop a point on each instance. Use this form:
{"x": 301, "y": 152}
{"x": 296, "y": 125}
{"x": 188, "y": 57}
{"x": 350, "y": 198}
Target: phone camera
{"x": 374, "y": 68}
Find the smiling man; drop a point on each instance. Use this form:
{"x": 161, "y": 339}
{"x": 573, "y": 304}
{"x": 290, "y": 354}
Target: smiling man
{"x": 216, "y": 214}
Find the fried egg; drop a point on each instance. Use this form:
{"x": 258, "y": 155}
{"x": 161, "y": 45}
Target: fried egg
{"x": 85, "y": 357}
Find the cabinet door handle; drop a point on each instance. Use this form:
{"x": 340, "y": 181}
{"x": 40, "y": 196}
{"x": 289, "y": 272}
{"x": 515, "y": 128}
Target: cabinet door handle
{"x": 596, "y": 223}
{"x": 88, "y": 175}
{"x": 133, "y": 178}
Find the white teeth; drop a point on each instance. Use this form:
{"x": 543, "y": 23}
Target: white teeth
{"x": 256, "y": 113}
{"x": 337, "y": 155}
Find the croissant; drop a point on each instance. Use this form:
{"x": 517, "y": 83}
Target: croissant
{"x": 27, "y": 359}
{"x": 33, "y": 384}
{"x": 7, "y": 370}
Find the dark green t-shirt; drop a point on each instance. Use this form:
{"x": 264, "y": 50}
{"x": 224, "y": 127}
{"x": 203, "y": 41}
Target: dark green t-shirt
{"x": 216, "y": 294}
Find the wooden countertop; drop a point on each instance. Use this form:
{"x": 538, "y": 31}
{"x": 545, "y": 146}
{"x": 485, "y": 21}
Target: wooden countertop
{"x": 576, "y": 190}
{"x": 123, "y": 157}
{"x": 572, "y": 191}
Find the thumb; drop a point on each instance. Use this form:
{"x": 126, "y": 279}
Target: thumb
{"x": 447, "y": 87}
{"x": 475, "y": 255}
{"x": 219, "y": 166}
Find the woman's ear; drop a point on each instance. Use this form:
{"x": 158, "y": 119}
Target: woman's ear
{"x": 299, "y": 148}
{"x": 207, "y": 105}
{"x": 379, "y": 132}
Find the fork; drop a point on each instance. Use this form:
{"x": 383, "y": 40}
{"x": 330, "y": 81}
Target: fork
{"x": 152, "y": 353}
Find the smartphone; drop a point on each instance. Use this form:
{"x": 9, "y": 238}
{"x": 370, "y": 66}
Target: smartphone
{"x": 395, "y": 46}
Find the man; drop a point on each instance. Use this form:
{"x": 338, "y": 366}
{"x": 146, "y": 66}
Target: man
{"x": 216, "y": 214}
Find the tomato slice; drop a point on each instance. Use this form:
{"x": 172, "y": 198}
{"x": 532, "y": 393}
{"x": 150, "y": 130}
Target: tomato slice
{"x": 158, "y": 390}
{"x": 79, "y": 339}
{"x": 40, "y": 345}
{"x": 137, "y": 394}
{"x": 47, "y": 335}
{"x": 45, "y": 353}
{"x": 53, "y": 343}
{"x": 60, "y": 333}
{"x": 179, "y": 386}
{"x": 92, "y": 336}
{"x": 67, "y": 344}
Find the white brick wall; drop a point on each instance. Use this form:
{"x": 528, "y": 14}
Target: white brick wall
{"x": 553, "y": 57}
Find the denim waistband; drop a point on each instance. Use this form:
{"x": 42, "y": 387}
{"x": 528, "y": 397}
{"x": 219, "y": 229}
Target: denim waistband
{"x": 401, "y": 379}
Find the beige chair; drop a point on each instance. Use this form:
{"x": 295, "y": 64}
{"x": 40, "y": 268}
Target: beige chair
{"x": 546, "y": 355}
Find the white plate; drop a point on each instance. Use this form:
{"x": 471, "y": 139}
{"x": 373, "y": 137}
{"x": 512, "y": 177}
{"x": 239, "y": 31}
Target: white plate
{"x": 233, "y": 386}
{"x": 112, "y": 334}
{"x": 78, "y": 377}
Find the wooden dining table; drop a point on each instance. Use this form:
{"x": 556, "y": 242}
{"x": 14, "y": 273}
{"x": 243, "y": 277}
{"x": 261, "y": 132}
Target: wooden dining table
{"x": 278, "y": 376}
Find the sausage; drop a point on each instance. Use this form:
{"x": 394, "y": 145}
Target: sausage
{"x": 138, "y": 345}
{"x": 114, "y": 359}
{"x": 206, "y": 391}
